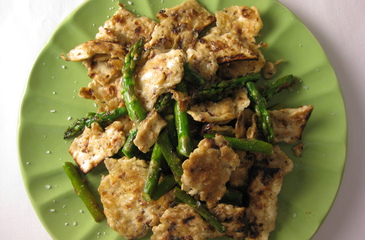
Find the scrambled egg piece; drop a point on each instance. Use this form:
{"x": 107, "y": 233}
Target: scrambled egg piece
{"x": 266, "y": 181}
{"x": 182, "y": 222}
{"x": 277, "y": 160}
{"x": 230, "y": 43}
{"x": 104, "y": 61}
{"x": 91, "y": 48}
{"x": 243, "y": 122}
{"x": 95, "y": 144}
{"x": 203, "y": 61}
{"x": 246, "y": 23}
{"x": 263, "y": 191}
{"x": 233, "y": 218}
{"x": 223, "y": 111}
{"x": 241, "y": 20}
{"x": 240, "y": 176}
{"x": 105, "y": 89}
{"x": 288, "y": 123}
{"x": 240, "y": 68}
{"x": 158, "y": 74}
{"x": 107, "y": 97}
{"x": 148, "y": 131}
{"x": 104, "y": 70}
{"x": 208, "y": 169}
{"x": 121, "y": 194}
{"x": 126, "y": 28}
{"x": 227, "y": 47}
{"x": 180, "y": 26}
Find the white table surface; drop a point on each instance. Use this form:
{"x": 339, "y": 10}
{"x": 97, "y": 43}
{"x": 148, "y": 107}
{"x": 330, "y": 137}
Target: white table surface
{"x": 26, "y": 25}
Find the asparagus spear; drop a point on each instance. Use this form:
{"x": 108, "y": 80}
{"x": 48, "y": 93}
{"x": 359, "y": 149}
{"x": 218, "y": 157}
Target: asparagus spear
{"x": 129, "y": 148}
{"x": 198, "y": 207}
{"x": 184, "y": 141}
{"x": 171, "y": 128}
{"x": 278, "y": 86}
{"x": 83, "y": 192}
{"x": 170, "y": 155}
{"x": 261, "y": 111}
{"x": 215, "y": 92}
{"x": 167, "y": 184}
{"x": 164, "y": 101}
{"x": 251, "y": 144}
{"x": 153, "y": 173}
{"x": 192, "y": 76}
{"x": 103, "y": 118}
{"x": 135, "y": 110}
{"x": 233, "y": 197}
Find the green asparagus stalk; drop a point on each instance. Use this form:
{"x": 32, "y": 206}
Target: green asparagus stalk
{"x": 83, "y": 192}
{"x": 215, "y": 92}
{"x": 184, "y": 142}
{"x": 164, "y": 101}
{"x": 153, "y": 173}
{"x": 277, "y": 86}
{"x": 103, "y": 118}
{"x": 173, "y": 161}
{"x": 199, "y": 208}
{"x": 129, "y": 149}
{"x": 233, "y": 197}
{"x": 261, "y": 111}
{"x": 250, "y": 144}
{"x": 135, "y": 110}
{"x": 191, "y": 76}
{"x": 171, "y": 128}
{"x": 166, "y": 185}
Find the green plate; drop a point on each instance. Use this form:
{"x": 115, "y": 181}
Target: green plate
{"x": 51, "y": 103}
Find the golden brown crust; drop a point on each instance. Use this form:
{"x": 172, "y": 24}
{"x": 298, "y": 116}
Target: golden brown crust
{"x": 126, "y": 28}
{"x": 207, "y": 170}
{"x": 180, "y": 26}
{"x": 289, "y": 123}
{"x": 121, "y": 194}
{"x": 95, "y": 144}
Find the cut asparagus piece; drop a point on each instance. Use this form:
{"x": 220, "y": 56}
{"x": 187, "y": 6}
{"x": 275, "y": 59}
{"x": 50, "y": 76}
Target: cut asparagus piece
{"x": 277, "y": 86}
{"x": 215, "y": 92}
{"x": 103, "y": 118}
{"x": 129, "y": 149}
{"x": 153, "y": 173}
{"x": 170, "y": 155}
{"x": 164, "y": 101}
{"x": 184, "y": 142}
{"x": 261, "y": 111}
{"x": 83, "y": 191}
{"x": 166, "y": 185}
{"x": 192, "y": 76}
{"x": 199, "y": 208}
{"x": 249, "y": 144}
{"x": 135, "y": 110}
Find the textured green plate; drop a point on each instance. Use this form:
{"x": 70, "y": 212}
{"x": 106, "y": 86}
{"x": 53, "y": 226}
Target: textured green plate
{"x": 51, "y": 100}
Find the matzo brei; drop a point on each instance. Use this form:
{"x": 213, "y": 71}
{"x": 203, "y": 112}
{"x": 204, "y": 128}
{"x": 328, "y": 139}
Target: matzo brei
{"x": 192, "y": 157}
{"x": 121, "y": 194}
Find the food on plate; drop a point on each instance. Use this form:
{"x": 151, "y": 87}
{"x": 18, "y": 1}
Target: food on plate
{"x": 184, "y": 124}
{"x": 83, "y": 191}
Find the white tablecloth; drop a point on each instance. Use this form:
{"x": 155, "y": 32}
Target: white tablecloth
{"x": 26, "y": 25}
